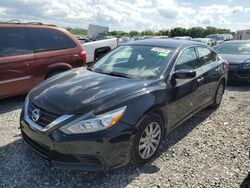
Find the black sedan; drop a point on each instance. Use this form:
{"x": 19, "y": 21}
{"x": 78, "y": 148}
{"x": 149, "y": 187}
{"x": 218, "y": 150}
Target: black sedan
{"x": 119, "y": 110}
{"x": 237, "y": 53}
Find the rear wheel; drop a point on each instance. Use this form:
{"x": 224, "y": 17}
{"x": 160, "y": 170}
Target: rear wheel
{"x": 218, "y": 95}
{"x": 148, "y": 139}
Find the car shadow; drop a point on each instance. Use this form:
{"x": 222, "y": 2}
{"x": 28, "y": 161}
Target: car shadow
{"x": 20, "y": 166}
{"x": 238, "y": 86}
{"x": 12, "y": 103}
{"x": 246, "y": 182}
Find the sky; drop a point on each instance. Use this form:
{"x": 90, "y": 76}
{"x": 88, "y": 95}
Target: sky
{"x": 130, "y": 15}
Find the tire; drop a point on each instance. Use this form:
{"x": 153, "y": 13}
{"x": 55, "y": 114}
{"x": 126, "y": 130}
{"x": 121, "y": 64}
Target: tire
{"x": 145, "y": 146}
{"x": 218, "y": 95}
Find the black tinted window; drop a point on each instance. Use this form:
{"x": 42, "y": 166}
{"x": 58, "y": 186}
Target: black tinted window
{"x": 49, "y": 39}
{"x": 13, "y": 41}
{"x": 206, "y": 56}
{"x": 187, "y": 60}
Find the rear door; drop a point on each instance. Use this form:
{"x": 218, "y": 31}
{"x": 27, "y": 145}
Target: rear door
{"x": 210, "y": 69}
{"x": 53, "y": 50}
{"x": 16, "y": 58}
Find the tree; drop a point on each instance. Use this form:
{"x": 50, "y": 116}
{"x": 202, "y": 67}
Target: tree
{"x": 196, "y": 32}
{"x": 147, "y": 33}
{"x": 133, "y": 33}
{"x": 163, "y": 32}
{"x": 179, "y": 31}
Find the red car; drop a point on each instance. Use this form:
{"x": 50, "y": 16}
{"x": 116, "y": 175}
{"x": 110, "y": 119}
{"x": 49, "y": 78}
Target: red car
{"x": 32, "y": 52}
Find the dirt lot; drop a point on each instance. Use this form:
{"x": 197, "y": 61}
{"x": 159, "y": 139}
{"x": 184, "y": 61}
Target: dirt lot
{"x": 209, "y": 150}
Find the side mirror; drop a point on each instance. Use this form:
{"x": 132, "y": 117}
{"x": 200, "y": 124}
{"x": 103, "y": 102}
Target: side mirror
{"x": 184, "y": 74}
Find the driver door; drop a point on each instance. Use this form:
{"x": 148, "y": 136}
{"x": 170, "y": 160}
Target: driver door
{"x": 184, "y": 93}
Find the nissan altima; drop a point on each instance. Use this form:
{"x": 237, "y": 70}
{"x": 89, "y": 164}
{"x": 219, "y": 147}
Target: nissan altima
{"x": 237, "y": 53}
{"x": 120, "y": 109}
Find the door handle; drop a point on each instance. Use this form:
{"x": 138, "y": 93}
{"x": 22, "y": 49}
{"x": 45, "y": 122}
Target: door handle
{"x": 200, "y": 79}
{"x": 217, "y": 69}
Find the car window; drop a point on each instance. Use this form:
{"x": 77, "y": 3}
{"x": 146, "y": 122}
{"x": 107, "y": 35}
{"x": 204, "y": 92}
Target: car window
{"x": 206, "y": 56}
{"x": 187, "y": 60}
{"x": 49, "y": 39}
{"x": 13, "y": 41}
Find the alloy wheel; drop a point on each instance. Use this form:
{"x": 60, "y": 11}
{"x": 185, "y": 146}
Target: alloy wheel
{"x": 150, "y": 140}
{"x": 219, "y": 94}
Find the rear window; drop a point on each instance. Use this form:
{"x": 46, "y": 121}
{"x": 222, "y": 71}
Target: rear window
{"x": 13, "y": 41}
{"x": 49, "y": 39}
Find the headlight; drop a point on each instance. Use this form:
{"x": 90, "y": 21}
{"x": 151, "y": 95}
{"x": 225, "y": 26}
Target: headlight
{"x": 98, "y": 123}
{"x": 245, "y": 65}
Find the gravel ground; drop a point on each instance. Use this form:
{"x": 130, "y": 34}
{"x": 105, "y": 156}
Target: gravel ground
{"x": 209, "y": 150}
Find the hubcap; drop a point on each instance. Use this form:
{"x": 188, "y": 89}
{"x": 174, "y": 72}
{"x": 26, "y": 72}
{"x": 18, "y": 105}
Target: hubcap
{"x": 150, "y": 140}
{"x": 219, "y": 94}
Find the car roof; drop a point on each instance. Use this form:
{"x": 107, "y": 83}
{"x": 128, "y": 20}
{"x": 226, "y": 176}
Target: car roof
{"x": 168, "y": 43}
{"x": 31, "y": 24}
{"x": 237, "y": 41}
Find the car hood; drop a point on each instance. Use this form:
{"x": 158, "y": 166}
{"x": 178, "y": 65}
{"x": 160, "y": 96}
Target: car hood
{"x": 234, "y": 58}
{"x": 81, "y": 91}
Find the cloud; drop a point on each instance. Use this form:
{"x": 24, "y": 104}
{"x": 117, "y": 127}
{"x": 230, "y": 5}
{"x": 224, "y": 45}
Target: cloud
{"x": 120, "y": 14}
{"x": 220, "y": 9}
{"x": 205, "y": 20}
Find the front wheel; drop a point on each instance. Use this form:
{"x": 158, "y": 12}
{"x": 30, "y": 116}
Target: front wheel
{"x": 148, "y": 139}
{"x": 218, "y": 95}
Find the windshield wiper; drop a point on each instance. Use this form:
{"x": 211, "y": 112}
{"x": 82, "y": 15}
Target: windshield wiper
{"x": 115, "y": 74}
{"x": 89, "y": 68}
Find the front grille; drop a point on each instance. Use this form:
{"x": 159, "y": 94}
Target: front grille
{"x": 45, "y": 116}
{"x": 90, "y": 161}
{"x": 40, "y": 149}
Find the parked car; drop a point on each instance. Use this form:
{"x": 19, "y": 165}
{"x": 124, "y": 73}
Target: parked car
{"x": 95, "y": 49}
{"x": 237, "y": 53}
{"x": 121, "y": 108}
{"x": 220, "y": 37}
{"x": 207, "y": 41}
{"x": 97, "y": 43}
{"x": 183, "y": 38}
{"x": 32, "y": 52}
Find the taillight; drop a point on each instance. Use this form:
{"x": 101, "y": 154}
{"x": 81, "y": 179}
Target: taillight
{"x": 83, "y": 56}
{"x": 226, "y": 64}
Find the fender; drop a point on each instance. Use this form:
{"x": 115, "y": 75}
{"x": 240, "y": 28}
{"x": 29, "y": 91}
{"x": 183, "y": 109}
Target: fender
{"x": 61, "y": 65}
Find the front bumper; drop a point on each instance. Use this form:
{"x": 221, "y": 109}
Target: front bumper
{"x": 99, "y": 151}
{"x": 239, "y": 74}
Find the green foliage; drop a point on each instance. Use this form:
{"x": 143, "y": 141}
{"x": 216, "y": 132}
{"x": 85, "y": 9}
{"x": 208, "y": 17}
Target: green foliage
{"x": 78, "y": 32}
{"x": 195, "y": 32}
{"x": 198, "y": 32}
{"x": 147, "y": 33}
{"x": 163, "y": 32}
{"x": 133, "y": 33}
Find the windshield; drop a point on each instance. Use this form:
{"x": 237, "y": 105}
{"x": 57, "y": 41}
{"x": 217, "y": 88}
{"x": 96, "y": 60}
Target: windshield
{"x": 234, "y": 48}
{"x": 139, "y": 62}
